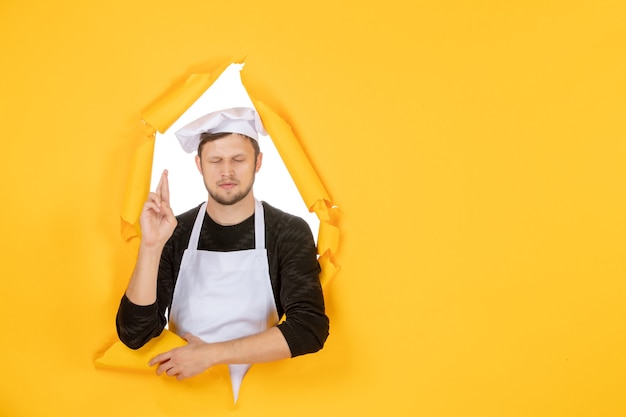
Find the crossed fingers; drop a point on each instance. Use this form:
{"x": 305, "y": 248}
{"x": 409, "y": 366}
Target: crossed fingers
{"x": 160, "y": 197}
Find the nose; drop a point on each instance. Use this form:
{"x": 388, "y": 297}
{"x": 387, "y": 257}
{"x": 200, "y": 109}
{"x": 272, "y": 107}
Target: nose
{"x": 226, "y": 168}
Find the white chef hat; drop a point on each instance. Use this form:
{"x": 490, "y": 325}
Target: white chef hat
{"x": 243, "y": 120}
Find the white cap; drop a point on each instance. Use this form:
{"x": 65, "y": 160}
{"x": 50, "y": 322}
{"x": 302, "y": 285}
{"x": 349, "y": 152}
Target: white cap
{"x": 243, "y": 120}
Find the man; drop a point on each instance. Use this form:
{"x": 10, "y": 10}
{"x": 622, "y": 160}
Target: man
{"x": 226, "y": 270}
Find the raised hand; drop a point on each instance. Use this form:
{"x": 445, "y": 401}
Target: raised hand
{"x": 157, "y": 219}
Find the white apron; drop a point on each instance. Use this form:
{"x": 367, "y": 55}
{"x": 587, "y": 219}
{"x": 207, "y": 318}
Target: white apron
{"x": 221, "y": 296}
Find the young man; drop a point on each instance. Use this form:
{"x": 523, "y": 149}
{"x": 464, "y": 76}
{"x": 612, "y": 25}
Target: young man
{"x": 226, "y": 270}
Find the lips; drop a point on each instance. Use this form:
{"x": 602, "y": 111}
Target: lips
{"x": 227, "y": 185}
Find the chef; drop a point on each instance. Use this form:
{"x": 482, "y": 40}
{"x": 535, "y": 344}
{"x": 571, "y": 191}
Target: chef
{"x": 223, "y": 273}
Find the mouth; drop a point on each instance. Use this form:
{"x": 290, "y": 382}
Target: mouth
{"x": 227, "y": 185}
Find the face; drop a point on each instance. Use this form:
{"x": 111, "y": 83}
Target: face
{"x": 228, "y": 168}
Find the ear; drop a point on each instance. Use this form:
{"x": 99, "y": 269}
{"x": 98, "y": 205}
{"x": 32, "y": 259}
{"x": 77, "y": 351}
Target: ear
{"x": 199, "y": 163}
{"x": 259, "y": 162}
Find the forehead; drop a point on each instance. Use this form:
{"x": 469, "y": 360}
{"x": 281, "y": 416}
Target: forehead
{"x": 232, "y": 144}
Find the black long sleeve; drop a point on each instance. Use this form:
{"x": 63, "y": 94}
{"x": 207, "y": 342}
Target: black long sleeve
{"x": 294, "y": 274}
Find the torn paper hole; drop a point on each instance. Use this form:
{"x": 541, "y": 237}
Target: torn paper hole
{"x": 273, "y": 183}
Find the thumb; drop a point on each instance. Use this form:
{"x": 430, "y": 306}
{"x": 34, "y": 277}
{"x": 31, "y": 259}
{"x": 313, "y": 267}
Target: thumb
{"x": 189, "y": 337}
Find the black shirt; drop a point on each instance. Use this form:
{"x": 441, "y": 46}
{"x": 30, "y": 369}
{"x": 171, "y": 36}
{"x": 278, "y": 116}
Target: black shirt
{"x": 294, "y": 274}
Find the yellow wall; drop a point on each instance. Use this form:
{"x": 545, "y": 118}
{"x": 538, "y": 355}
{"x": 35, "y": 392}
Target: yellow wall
{"x": 476, "y": 150}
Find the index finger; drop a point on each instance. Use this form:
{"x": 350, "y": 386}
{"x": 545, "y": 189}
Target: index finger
{"x": 165, "y": 187}
{"x": 163, "y": 357}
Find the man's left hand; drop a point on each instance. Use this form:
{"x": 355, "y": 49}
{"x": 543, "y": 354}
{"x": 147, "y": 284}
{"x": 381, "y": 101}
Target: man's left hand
{"x": 185, "y": 361}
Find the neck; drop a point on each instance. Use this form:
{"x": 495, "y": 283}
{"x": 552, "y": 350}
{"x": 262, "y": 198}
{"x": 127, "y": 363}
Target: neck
{"x": 227, "y": 215}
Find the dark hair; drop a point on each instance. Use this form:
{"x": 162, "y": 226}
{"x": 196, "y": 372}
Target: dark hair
{"x": 209, "y": 137}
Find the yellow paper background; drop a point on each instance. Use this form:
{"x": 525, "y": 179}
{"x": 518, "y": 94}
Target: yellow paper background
{"x": 476, "y": 151}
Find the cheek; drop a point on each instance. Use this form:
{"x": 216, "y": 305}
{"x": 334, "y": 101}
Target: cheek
{"x": 251, "y": 169}
{"x": 208, "y": 169}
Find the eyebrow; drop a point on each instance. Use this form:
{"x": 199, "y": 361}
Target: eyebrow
{"x": 239, "y": 155}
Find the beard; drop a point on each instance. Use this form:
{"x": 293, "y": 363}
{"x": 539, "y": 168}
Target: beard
{"x": 230, "y": 199}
